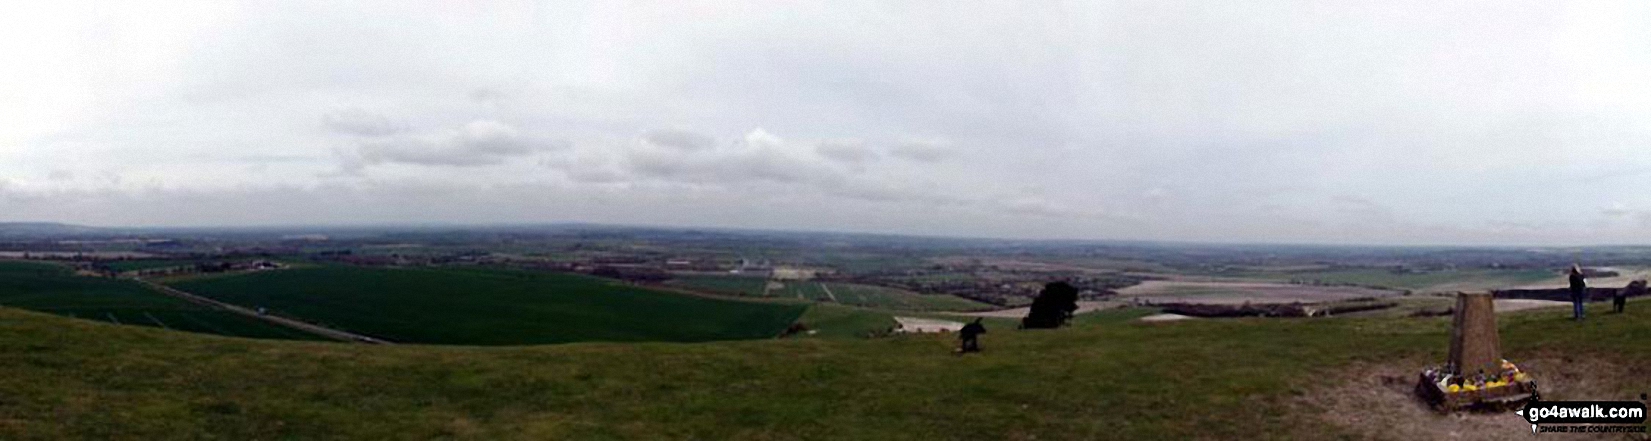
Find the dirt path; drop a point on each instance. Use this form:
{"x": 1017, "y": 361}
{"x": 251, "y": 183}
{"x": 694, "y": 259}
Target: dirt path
{"x": 282, "y": 321}
{"x": 828, "y": 293}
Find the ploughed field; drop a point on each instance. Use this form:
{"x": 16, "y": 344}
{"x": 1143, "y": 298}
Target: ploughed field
{"x": 475, "y": 306}
{"x": 56, "y": 289}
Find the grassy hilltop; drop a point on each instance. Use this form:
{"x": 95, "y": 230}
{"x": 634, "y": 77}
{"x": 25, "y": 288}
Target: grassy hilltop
{"x": 1106, "y": 377}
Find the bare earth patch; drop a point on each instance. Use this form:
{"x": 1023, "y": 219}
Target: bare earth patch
{"x": 1510, "y": 305}
{"x": 923, "y": 325}
{"x": 1379, "y": 402}
{"x": 1164, "y": 318}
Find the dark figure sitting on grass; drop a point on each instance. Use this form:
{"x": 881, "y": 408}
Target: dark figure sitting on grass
{"x": 970, "y": 334}
{"x": 1634, "y": 289}
{"x": 1579, "y": 292}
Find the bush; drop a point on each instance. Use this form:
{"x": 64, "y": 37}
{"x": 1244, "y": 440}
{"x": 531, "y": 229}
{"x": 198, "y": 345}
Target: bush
{"x": 1052, "y": 308}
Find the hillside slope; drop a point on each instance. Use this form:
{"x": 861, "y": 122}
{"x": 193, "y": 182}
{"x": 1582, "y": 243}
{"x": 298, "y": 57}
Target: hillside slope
{"x": 1104, "y": 379}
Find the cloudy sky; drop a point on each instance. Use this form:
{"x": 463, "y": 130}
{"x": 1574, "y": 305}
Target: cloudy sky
{"x": 1395, "y": 122}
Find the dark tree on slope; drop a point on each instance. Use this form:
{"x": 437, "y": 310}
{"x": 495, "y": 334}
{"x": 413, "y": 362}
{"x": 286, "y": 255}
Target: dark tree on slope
{"x": 1052, "y": 308}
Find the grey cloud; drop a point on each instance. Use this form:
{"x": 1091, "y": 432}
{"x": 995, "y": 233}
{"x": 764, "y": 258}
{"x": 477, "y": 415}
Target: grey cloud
{"x": 832, "y": 168}
{"x": 597, "y": 175}
{"x": 922, "y": 150}
{"x": 758, "y": 159}
{"x": 352, "y": 121}
{"x": 486, "y": 95}
{"x": 759, "y": 155}
{"x": 478, "y": 143}
{"x": 912, "y": 196}
{"x": 592, "y": 167}
{"x": 1358, "y": 206}
{"x": 679, "y": 138}
{"x": 849, "y": 151}
{"x": 1617, "y": 209}
{"x": 1041, "y": 207}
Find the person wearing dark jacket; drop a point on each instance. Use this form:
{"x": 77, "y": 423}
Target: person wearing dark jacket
{"x": 1579, "y": 292}
{"x": 970, "y": 334}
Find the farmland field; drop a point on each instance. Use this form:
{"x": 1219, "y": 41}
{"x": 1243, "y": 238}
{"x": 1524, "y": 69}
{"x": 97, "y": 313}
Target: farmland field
{"x": 794, "y": 289}
{"x": 884, "y": 297}
{"x": 839, "y": 292}
{"x": 726, "y": 285}
{"x": 55, "y": 289}
{"x": 1422, "y": 282}
{"x": 1460, "y": 280}
{"x": 492, "y": 307}
{"x": 1160, "y": 291}
{"x": 143, "y": 264}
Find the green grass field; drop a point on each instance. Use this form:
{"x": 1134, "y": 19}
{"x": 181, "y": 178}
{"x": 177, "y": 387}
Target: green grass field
{"x": 1111, "y": 378}
{"x": 492, "y": 307}
{"x": 55, "y": 289}
{"x": 803, "y": 290}
{"x": 837, "y": 321}
{"x": 725, "y": 285}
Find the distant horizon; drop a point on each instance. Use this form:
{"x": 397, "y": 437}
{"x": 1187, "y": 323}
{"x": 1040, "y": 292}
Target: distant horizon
{"x": 394, "y": 226}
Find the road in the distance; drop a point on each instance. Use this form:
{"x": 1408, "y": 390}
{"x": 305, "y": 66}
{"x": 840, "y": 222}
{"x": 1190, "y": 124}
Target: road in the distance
{"x": 283, "y": 321}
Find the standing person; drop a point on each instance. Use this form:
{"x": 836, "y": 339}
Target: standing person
{"x": 1579, "y": 289}
{"x": 970, "y": 334}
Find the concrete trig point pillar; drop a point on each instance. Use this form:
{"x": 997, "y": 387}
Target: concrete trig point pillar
{"x": 1474, "y": 344}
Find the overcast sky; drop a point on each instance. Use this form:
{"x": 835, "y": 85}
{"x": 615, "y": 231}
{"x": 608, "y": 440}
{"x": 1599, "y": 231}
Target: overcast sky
{"x": 1395, "y": 122}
